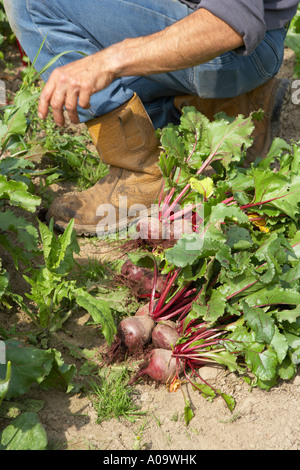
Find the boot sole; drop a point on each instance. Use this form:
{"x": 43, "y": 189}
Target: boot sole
{"x": 92, "y": 231}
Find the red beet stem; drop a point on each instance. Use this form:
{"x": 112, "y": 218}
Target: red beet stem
{"x": 164, "y": 294}
{"x": 180, "y": 294}
{"x": 151, "y": 306}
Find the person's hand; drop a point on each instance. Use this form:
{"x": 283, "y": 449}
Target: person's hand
{"x": 73, "y": 84}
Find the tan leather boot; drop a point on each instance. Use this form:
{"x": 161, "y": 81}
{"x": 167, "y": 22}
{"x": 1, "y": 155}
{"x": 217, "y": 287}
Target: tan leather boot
{"x": 126, "y": 141}
{"x": 264, "y": 97}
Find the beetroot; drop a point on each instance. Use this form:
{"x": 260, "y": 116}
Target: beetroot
{"x": 164, "y": 335}
{"x": 161, "y": 367}
{"x": 178, "y": 228}
{"x": 135, "y": 331}
{"x": 145, "y": 309}
{"x": 153, "y": 230}
{"x": 144, "y": 278}
{"x": 150, "y": 228}
{"x": 146, "y": 285}
{"x": 131, "y": 270}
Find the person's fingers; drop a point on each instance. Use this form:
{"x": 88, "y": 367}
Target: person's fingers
{"x": 57, "y": 103}
{"x": 71, "y": 101}
{"x": 45, "y": 98}
{"x": 53, "y": 95}
{"x": 68, "y": 87}
{"x": 85, "y": 93}
{"x": 58, "y": 115}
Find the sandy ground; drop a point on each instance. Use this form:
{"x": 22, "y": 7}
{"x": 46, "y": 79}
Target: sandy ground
{"x": 260, "y": 421}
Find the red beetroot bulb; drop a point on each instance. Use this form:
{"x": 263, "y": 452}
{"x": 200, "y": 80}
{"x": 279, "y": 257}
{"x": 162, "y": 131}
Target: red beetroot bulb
{"x": 162, "y": 367}
{"x": 135, "y": 331}
{"x": 164, "y": 335}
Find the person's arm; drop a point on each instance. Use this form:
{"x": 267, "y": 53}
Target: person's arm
{"x": 196, "y": 39}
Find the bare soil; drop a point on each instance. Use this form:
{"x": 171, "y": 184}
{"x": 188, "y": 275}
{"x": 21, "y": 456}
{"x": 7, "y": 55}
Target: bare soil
{"x": 260, "y": 421}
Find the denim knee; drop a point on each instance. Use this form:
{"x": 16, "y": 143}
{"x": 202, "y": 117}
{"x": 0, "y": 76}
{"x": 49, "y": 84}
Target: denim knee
{"x": 14, "y": 10}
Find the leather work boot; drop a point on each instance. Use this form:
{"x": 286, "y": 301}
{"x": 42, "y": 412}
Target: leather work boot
{"x": 125, "y": 140}
{"x": 269, "y": 97}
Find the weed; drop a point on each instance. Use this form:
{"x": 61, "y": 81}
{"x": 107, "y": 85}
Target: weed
{"x": 233, "y": 418}
{"x": 69, "y": 151}
{"x": 157, "y": 420}
{"x": 54, "y": 294}
{"x": 93, "y": 271}
{"x": 112, "y": 397}
{"x": 138, "y": 443}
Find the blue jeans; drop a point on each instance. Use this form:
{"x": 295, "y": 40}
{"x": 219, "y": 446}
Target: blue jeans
{"x": 88, "y": 26}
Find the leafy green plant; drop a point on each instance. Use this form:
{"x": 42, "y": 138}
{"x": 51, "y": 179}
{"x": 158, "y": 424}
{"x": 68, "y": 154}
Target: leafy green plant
{"x": 253, "y": 275}
{"x": 22, "y": 133}
{"x": 24, "y": 433}
{"x": 28, "y": 366}
{"x": 4, "y": 384}
{"x": 4, "y": 283}
{"x": 31, "y": 366}
{"x": 233, "y": 283}
{"x": 16, "y": 188}
{"x": 68, "y": 152}
{"x": 16, "y": 193}
{"x": 54, "y": 295}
